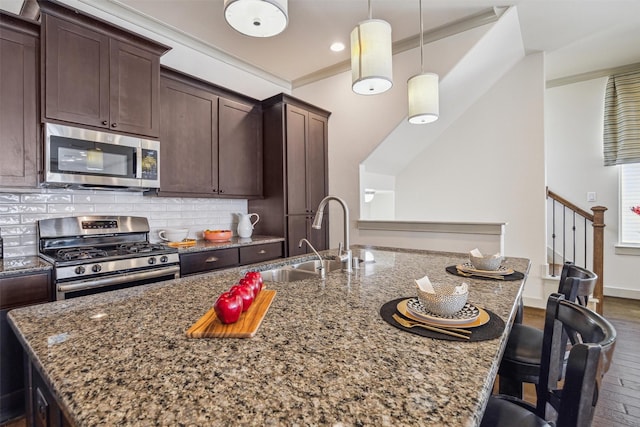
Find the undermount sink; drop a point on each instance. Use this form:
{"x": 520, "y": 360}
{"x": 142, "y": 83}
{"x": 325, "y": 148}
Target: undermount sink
{"x": 329, "y": 265}
{"x": 287, "y": 274}
{"x": 300, "y": 271}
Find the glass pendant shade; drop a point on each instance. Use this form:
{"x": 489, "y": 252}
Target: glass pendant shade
{"x": 257, "y": 18}
{"x": 371, "y": 53}
{"x": 424, "y": 103}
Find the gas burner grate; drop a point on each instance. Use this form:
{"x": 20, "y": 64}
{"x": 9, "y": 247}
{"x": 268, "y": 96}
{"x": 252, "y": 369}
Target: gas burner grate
{"x": 138, "y": 247}
{"x": 72, "y": 254}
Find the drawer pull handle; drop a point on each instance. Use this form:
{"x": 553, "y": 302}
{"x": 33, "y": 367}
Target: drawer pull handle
{"x": 262, "y": 251}
{"x": 212, "y": 259}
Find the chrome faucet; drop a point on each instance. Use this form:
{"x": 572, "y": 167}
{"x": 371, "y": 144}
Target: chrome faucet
{"x": 321, "y": 269}
{"x": 344, "y": 251}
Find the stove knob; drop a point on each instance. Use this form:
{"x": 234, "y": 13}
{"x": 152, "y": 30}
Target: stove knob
{"x": 96, "y": 268}
{"x": 164, "y": 258}
{"x": 151, "y": 261}
{"x": 79, "y": 269}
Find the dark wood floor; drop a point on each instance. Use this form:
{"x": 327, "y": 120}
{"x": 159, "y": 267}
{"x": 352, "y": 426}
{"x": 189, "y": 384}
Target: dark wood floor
{"x": 619, "y": 401}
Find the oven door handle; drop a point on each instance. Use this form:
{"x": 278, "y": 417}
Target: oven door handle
{"x": 111, "y": 280}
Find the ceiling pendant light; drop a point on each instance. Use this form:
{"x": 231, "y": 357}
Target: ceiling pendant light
{"x": 424, "y": 103}
{"x": 257, "y": 18}
{"x": 371, "y": 65}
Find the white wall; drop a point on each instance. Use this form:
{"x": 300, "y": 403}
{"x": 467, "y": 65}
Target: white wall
{"x": 574, "y": 124}
{"x": 489, "y": 166}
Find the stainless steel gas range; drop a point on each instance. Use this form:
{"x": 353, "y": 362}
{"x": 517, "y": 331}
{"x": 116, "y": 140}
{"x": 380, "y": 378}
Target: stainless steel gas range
{"x": 92, "y": 254}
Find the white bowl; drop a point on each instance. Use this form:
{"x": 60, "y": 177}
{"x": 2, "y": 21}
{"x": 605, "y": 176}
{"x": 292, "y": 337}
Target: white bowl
{"x": 443, "y": 302}
{"x": 173, "y": 234}
{"x": 486, "y": 263}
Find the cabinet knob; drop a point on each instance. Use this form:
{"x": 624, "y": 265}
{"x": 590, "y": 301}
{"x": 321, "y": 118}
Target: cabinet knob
{"x": 212, "y": 259}
{"x": 114, "y": 125}
{"x": 220, "y": 191}
{"x": 262, "y": 252}
{"x": 104, "y": 122}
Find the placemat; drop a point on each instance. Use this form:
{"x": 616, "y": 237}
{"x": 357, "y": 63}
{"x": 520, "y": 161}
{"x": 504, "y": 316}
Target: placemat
{"x": 490, "y": 330}
{"x": 516, "y": 275}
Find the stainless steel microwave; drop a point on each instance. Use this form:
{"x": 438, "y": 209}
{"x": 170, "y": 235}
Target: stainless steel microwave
{"x": 82, "y": 158}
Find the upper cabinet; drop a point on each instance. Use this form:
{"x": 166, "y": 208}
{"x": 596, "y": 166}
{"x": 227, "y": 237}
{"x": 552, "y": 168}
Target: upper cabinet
{"x": 19, "y": 136}
{"x": 295, "y": 181}
{"x": 211, "y": 146}
{"x": 98, "y": 75}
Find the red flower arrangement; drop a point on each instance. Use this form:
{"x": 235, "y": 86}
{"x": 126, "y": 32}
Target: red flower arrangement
{"x": 636, "y": 209}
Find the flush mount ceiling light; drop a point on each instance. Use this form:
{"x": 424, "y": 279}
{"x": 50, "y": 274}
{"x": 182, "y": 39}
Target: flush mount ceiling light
{"x": 371, "y": 65}
{"x": 257, "y": 18}
{"x": 424, "y": 104}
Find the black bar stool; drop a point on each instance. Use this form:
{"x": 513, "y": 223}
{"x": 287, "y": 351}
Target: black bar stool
{"x": 521, "y": 359}
{"x": 590, "y": 356}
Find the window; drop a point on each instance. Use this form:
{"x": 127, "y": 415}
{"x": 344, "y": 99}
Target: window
{"x": 630, "y": 204}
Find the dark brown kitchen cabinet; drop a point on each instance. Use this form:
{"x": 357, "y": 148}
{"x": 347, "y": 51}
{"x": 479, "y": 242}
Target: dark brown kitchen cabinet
{"x": 295, "y": 179}
{"x": 239, "y": 149}
{"x": 201, "y": 262}
{"x": 17, "y": 290}
{"x": 98, "y": 75}
{"x": 43, "y": 408}
{"x": 211, "y": 145}
{"x": 189, "y": 139}
{"x": 19, "y": 136}
{"x": 258, "y": 253}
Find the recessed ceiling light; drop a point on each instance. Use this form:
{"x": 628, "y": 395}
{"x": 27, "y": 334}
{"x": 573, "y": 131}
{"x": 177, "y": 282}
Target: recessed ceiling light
{"x": 337, "y": 47}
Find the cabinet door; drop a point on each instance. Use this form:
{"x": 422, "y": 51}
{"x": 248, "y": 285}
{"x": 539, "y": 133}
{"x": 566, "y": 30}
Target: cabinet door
{"x": 201, "y": 262}
{"x": 316, "y": 160}
{"x": 76, "y": 73}
{"x": 18, "y": 109}
{"x": 240, "y": 149}
{"x": 297, "y": 228}
{"x": 296, "y": 128}
{"x": 134, "y": 105}
{"x": 189, "y": 139}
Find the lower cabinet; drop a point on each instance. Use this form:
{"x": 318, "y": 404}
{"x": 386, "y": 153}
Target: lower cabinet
{"x": 215, "y": 259}
{"x": 17, "y": 290}
{"x": 43, "y": 409}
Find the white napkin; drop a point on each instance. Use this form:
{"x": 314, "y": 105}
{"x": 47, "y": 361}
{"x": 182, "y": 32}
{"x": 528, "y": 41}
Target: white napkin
{"x": 425, "y": 285}
{"x": 461, "y": 289}
{"x": 476, "y": 253}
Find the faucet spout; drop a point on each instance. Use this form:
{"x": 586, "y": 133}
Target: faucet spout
{"x": 345, "y": 251}
{"x": 321, "y": 268}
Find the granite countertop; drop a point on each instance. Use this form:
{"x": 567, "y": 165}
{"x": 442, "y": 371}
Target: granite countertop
{"x": 234, "y": 242}
{"x": 23, "y": 265}
{"x": 322, "y": 356}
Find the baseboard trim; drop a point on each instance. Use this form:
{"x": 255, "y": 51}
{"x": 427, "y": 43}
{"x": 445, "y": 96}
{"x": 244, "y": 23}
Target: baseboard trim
{"x": 622, "y": 293}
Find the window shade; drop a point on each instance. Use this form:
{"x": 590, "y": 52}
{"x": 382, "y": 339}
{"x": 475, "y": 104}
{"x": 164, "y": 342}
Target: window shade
{"x": 622, "y": 119}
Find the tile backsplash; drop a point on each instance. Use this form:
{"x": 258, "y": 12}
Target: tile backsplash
{"x": 21, "y": 209}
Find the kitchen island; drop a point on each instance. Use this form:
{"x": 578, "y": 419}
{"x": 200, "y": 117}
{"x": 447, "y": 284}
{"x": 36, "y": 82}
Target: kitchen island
{"x": 322, "y": 356}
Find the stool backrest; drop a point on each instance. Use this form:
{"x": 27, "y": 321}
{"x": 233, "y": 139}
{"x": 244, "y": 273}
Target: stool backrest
{"x": 590, "y": 356}
{"x": 582, "y": 289}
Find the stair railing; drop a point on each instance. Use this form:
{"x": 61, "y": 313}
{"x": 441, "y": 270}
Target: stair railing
{"x": 597, "y": 221}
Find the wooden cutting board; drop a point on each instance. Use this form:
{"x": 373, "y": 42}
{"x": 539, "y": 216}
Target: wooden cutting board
{"x": 209, "y": 326}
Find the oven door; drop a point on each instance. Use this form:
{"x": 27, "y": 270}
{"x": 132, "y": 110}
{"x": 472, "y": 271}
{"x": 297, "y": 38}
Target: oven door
{"x": 72, "y": 289}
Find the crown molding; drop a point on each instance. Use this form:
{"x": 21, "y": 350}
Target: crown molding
{"x": 461, "y": 25}
{"x": 590, "y": 75}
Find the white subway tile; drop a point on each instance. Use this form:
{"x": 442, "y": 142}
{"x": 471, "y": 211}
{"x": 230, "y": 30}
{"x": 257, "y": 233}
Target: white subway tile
{"x": 9, "y": 198}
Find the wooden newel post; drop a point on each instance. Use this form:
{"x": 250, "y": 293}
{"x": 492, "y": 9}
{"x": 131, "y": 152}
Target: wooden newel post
{"x": 598, "y": 254}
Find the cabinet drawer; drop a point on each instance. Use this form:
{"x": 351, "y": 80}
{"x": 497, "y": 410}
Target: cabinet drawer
{"x": 18, "y": 291}
{"x": 207, "y": 261}
{"x": 258, "y": 253}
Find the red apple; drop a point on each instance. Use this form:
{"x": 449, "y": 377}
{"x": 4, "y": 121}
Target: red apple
{"x": 228, "y": 307}
{"x": 245, "y": 292}
{"x": 253, "y": 284}
{"x": 255, "y": 275}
